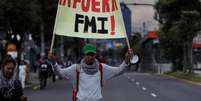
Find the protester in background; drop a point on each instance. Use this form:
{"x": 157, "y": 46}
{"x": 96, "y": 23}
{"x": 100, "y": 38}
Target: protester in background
{"x": 22, "y": 73}
{"x": 89, "y": 76}
{"x": 10, "y": 86}
{"x": 51, "y": 73}
{"x": 44, "y": 70}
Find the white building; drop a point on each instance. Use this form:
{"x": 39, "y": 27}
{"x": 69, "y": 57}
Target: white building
{"x": 142, "y": 16}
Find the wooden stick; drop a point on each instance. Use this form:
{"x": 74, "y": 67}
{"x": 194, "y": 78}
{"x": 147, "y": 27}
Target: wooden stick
{"x": 55, "y": 26}
{"x": 52, "y": 43}
{"x": 127, "y": 41}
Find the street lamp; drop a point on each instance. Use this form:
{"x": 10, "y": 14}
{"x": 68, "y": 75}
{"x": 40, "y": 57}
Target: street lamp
{"x": 13, "y": 37}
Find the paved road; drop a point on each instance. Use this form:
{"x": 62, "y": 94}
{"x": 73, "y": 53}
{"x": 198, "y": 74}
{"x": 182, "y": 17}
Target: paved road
{"x": 128, "y": 87}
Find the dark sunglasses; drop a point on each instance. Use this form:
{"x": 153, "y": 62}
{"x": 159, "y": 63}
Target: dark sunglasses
{"x": 90, "y": 54}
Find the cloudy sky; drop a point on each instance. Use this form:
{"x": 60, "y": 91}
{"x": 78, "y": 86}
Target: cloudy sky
{"x": 142, "y": 14}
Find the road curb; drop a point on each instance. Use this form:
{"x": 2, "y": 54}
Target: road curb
{"x": 191, "y": 82}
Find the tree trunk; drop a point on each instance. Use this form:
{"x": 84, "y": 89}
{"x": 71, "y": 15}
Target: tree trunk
{"x": 188, "y": 61}
{"x": 189, "y": 56}
{"x": 184, "y": 60}
{"x": 42, "y": 54}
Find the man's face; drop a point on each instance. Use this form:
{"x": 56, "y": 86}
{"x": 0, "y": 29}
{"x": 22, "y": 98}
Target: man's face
{"x": 89, "y": 58}
{"x": 8, "y": 70}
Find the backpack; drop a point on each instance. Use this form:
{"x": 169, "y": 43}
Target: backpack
{"x": 75, "y": 91}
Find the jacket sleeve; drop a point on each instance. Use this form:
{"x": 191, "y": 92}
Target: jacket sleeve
{"x": 18, "y": 89}
{"x": 65, "y": 72}
{"x": 110, "y": 71}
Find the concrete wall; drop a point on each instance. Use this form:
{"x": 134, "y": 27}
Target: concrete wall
{"x": 164, "y": 67}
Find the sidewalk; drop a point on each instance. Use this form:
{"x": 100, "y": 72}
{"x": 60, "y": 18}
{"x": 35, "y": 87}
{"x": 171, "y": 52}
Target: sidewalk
{"x": 198, "y": 72}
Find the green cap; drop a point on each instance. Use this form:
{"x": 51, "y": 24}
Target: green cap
{"x": 89, "y": 48}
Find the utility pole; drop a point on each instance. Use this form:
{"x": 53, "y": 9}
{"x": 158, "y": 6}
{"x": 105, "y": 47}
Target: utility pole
{"x": 62, "y": 48}
{"x": 42, "y": 54}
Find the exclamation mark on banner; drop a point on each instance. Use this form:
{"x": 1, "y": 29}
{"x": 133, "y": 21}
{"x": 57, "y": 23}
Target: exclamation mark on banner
{"x": 60, "y": 2}
{"x": 112, "y": 25}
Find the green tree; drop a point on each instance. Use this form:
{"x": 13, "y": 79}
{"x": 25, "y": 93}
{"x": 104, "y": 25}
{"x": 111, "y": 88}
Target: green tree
{"x": 19, "y": 15}
{"x": 28, "y": 15}
{"x": 48, "y": 9}
{"x": 180, "y": 22}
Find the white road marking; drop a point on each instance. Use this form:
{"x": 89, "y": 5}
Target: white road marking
{"x": 132, "y": 79}
{"x": 137, "y": 83}
{"x": 154, "y": 95}
{"x": 143, "y": 88}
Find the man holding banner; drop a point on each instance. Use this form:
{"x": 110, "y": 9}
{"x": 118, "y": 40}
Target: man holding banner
{"x": 96, "y": 19}
{"x": 89, "y": 76}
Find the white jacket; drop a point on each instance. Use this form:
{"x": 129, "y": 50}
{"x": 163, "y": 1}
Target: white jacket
{"x": 89, "y": 85}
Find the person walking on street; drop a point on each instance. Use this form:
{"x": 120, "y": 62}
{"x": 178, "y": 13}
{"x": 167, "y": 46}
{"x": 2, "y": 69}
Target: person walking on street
{"x": 44, "y": 69}
{"x": 89, "y": 76}
{"x": 22, "y": 73}
{"x": 10, "y": 86}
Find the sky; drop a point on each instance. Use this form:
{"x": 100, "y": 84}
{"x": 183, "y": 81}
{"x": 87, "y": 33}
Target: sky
{"x": 142, "y": 14}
